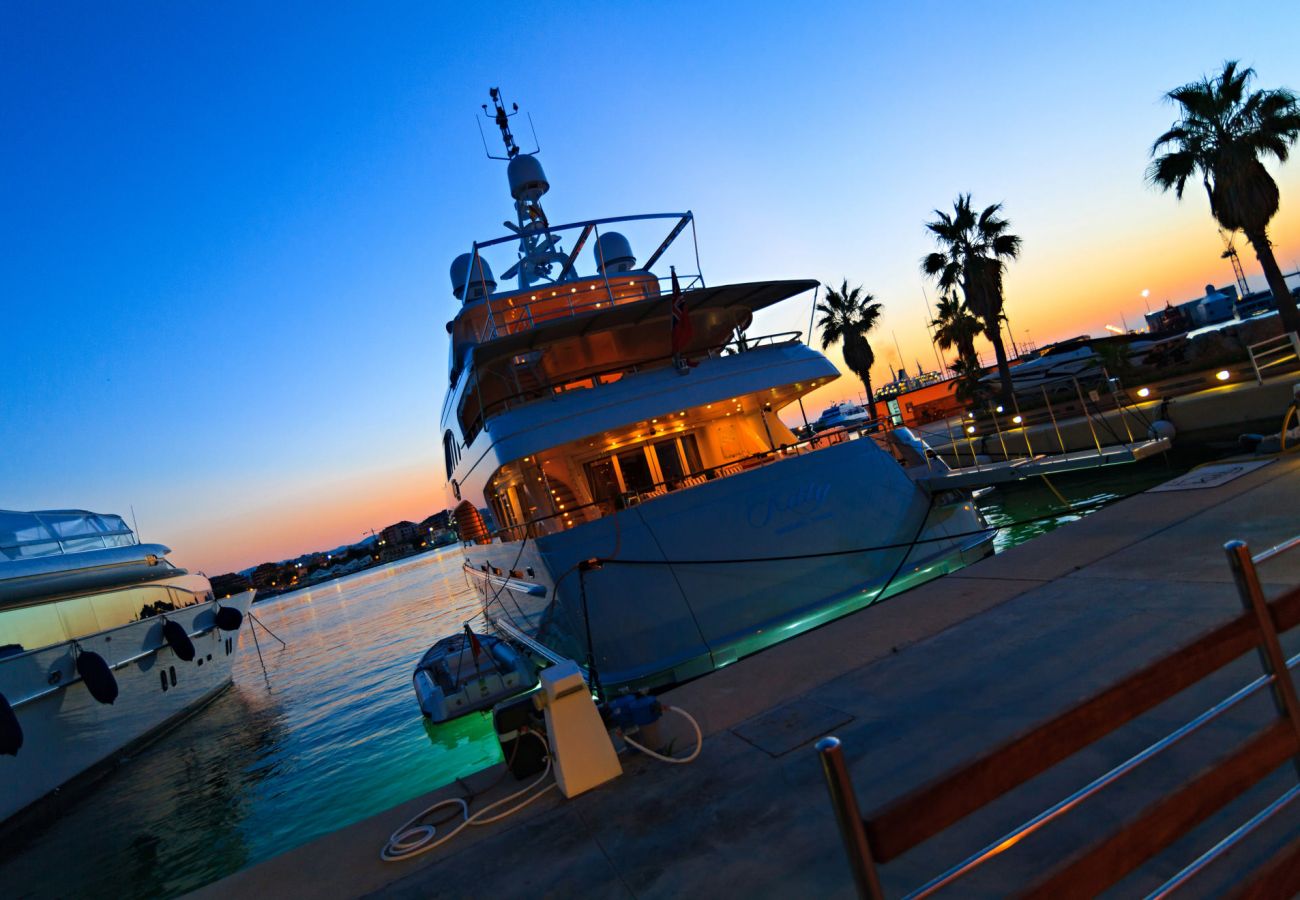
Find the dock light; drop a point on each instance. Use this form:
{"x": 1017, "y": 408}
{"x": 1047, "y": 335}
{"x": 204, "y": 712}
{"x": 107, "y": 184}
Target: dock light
{"x": 1144, "y": 392}
{"x": 999, "y": 409}
{"x": 1017, "y": 419}
{"x": 970, "y": 415}
{"x": 1223, "y": 374}
{"x": 970, "y": 429}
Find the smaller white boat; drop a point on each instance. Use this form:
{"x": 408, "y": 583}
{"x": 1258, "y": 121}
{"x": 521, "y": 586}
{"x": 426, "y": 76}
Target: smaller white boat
{"x": 468, "y": 672}
{"x": 840, "y": 415}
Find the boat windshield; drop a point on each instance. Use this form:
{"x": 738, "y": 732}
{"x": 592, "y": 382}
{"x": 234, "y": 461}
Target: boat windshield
{"x": 52, "y": 532}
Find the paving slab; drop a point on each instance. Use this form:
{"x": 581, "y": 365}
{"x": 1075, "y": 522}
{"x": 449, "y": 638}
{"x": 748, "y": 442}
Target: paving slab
{"x": 913, "y": 687}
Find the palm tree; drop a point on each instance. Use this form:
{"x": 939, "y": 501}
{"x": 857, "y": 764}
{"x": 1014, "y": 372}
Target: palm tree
{"x": 968, "y": 384}
{"x": 847, "y": 316}
{"x": 972, "y": 254}
{"x": 956, "y": 326}
{"x": 1223, "y": 132}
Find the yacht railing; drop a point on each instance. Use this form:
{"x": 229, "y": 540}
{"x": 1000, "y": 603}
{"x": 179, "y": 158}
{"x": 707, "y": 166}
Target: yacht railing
{"x": 552, "y": 523}
{"x": 588, "y": 380}
{"x": 567, "y": 275}
{"x": 549, "y": 302}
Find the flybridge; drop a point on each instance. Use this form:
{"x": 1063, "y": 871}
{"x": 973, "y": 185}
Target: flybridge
{"x": 617, "y": 278}
{"x": 549, "y": 282}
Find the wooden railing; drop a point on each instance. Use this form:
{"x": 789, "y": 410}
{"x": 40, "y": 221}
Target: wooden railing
{"x": 923, "y": 813}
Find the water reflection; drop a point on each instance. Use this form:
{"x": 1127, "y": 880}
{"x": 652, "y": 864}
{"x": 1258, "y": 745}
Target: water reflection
{"x": 332, "y": 735}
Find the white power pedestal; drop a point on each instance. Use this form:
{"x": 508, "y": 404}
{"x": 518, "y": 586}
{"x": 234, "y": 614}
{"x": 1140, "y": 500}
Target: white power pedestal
{"x": 582, "y": 755}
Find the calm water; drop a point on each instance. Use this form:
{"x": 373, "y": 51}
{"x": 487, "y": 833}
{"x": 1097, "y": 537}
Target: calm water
{"x": 332, "y": 733}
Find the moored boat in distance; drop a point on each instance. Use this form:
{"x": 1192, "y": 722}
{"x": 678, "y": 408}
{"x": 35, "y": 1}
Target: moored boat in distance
{"x": 103, "y": 642}
{"x": 839, "y": 415}
{"x": 630, "y": 497}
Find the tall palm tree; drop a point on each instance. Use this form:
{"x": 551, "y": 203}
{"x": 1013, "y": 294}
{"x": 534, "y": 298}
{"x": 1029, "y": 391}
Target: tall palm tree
{"x": 956, "y": 326}
{"x": 847, "y": 315}
{"x": 1222, "y": 132}
{"x": 973, "y": 249}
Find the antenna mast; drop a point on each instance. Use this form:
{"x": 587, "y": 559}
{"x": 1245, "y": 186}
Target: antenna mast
{"x": 539, "y": 250}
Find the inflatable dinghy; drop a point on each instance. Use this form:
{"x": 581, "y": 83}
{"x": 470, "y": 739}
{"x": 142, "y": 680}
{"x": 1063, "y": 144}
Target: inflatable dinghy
{"x": 469, "y": 672}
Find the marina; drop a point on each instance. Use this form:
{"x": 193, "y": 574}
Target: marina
{"x": 918, "y": 684}
{"x": 520, "y": 541}
{"x": 318, "y": 751}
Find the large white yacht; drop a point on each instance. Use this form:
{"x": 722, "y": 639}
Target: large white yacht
{"x": 103, "y": 642}
{"x": 613, "y": 411}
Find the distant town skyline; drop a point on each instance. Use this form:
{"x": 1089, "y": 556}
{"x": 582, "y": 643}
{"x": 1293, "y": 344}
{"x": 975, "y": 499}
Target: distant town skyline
{"x": 229, "y": 228}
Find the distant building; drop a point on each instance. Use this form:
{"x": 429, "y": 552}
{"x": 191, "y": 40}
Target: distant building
{"x": 229, "y": 585}
{"x": 400, "y": 533}
{"x": 1218, "y": 305}
{"x": 266, "y": 576}
{"x": 439, "y": 521}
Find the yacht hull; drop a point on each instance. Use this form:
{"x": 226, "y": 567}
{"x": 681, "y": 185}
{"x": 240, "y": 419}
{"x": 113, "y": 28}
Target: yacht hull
{"x": 699, "y": 577}
{"x": 66, "y": 732}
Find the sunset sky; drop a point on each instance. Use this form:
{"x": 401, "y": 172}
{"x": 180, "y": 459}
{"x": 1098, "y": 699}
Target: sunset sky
{"x": 227, "y": 227}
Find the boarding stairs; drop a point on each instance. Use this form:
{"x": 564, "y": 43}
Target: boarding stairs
{"x": 1004, "y": 471}
{"x": 1127, "y": 448}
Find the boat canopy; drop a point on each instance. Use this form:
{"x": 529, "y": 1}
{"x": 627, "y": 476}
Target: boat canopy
{"x": 742, "y": 299}
{"x": 52, "y": 532}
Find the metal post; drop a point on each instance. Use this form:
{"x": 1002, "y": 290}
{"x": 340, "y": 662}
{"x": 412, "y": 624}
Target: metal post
{"x": 1270, "y": 651}
{"x": 1083, "y": 404}
{"x": 1024, "y": 426}
{"x": 852, "y": 829}
{"x": 1051, "y": 412}
{"x": 609, "y": 291}
{"x": 1119, "y": 405}
{"x": 1006, "y": 455}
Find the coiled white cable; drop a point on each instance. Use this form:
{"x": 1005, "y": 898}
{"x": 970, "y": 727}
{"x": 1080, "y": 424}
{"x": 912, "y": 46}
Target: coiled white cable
{"x": 675, "y": 760}
{"x": 414, "y": 837}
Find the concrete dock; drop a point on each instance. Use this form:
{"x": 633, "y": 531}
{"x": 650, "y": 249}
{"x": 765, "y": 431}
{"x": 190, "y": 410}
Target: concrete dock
{"x": 913, "y": 686}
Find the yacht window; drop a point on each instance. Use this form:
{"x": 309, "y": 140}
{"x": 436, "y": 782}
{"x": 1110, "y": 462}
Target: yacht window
{"x": 78, "y": 616}
{"x": 668, "y": 454}
{"x": 602, "y": 478}
{"x": 635, "y": 469}
{"x": 449, "y": 452}
{"x": 32, "y": 627}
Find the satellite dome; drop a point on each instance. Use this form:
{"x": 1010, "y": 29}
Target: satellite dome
{"x": 527, "y": 180}
{"x": 481, "y": 282}
{"x": 613, "y": 253}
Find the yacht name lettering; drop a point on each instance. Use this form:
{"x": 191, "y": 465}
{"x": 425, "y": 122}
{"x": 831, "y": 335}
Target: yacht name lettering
{"x": 803, "y": 500}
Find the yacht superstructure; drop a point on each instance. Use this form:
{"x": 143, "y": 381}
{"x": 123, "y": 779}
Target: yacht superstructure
{"x": 620, "y": 412}
{"x": 102, "y": 642}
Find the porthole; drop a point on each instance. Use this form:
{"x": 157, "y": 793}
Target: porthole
{"x": 162, "y": 676}
{"x": 200, "y": 660}
{"x": 171, "y": 674}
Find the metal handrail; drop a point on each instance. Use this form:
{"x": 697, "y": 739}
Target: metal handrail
{"x": 1061, "y": 807}
{"x": 712, "y": 473}
{"x": 569, "y": 226}
{"x": 492, "y": 329}
{"x": 120, "y": 664}
{"x": 1276, "y": 550}
{"x": 627, "y": 368}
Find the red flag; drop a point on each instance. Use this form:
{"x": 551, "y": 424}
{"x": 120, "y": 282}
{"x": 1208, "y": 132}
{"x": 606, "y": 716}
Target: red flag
{"x": 474, "y": 645}
{"x": 682, "y": 331}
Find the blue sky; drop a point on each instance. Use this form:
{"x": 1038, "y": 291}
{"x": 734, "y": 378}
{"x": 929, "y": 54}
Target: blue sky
{"x": 228, "y": 226}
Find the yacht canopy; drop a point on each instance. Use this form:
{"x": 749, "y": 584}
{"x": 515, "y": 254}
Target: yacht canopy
{"x": 748, "y": 297}
{"x": 53, "y": 532}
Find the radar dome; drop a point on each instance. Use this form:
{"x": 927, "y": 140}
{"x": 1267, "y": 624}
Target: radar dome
{"x": 527, "y": 180}
{"x": 613, "y": 253}
{"x": 481, "y": 282}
